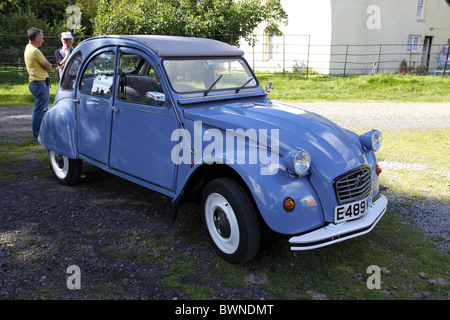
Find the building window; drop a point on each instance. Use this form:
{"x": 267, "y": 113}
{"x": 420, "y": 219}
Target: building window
{"x": 266, "y": 46}
{"x": 421, "y": 9}
{"x": 413, "y": 44}
{"x": 272, "y": 47}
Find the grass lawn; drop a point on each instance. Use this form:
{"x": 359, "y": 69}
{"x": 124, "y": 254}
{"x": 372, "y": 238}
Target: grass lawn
{"x": 19, "y": 95}
{"x": 14, "y": 87}
{"x": 383, "y": 87}
{"x": 425, "y": 159}
{"x": 378, "y": 88}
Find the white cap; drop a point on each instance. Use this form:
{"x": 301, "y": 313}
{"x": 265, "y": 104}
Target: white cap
{"x": 66, "y": 35}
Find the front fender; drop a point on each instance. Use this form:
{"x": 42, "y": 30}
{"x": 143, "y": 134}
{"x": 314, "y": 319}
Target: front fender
{"x": 58, "y": 130}
{"x": 269, "y": 185}
{"x": 269, "y": 192}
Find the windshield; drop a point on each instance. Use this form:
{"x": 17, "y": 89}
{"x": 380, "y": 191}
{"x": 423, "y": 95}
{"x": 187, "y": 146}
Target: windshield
{"x": 205, "y": 75}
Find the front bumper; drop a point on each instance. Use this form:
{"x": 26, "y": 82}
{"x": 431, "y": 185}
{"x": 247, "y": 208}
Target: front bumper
{"x": 334, "y": 233}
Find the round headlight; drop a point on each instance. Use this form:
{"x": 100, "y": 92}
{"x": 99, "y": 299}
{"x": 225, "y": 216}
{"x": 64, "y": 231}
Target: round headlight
{"x": 377, "y": 140}
{"x": 298, "y": 161}
{"x": 372, "y": 140}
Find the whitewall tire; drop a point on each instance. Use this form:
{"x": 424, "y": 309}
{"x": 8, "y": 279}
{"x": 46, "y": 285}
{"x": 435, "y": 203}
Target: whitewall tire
{"x": 66, "y": 171}
{"x": 231, "y": 221}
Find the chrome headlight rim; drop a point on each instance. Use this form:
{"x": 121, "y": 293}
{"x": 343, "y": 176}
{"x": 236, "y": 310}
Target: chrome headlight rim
{"x": 372, "y": 140}
{"x": 298, "y": 161}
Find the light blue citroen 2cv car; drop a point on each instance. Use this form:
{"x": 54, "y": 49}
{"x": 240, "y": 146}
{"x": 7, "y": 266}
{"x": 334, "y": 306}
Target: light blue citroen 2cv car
{"x": 187, "y": 117}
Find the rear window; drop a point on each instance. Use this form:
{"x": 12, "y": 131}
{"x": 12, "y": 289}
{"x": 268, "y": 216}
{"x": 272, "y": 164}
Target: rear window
{"x": 71, "y": 72}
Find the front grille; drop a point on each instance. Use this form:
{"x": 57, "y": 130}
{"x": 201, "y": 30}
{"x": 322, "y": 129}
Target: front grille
{"x": 353, "y": 186}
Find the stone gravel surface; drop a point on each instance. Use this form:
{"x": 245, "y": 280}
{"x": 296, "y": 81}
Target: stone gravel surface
{"x": 383, "y": 115}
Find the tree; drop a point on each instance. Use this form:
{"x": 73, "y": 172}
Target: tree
{"x": 16, "y": 16}
{"x": 46, "y": 11}
{"x": 88, "y": 13}
{"x": 224, "y": 20}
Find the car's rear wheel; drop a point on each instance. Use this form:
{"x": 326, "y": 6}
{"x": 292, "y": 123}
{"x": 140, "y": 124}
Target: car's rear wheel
{"x": 231, "y": 221}
{"x": 66, "y": 171}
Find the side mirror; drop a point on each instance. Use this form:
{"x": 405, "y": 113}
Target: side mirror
{"x": 155, "y": 98}
{"x": 269, "y": 87}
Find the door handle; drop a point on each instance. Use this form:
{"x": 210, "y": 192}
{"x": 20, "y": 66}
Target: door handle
{"x": 115, "y": 109}
{"x": 76, "y": 100}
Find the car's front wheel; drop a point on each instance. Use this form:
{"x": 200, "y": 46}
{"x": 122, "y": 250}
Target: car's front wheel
{"x": 231, "y": 221}
{"x": 66, "y": 171}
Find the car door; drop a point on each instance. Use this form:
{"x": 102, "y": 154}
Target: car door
{"x": 94, "y": 108}
{"x": 141, "y": 129}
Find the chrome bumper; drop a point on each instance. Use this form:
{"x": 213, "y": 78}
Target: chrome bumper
{"x": 334, "y": 233}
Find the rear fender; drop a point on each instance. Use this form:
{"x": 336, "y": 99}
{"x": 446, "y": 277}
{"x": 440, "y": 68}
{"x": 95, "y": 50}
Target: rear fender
{"x": 58, "y": 130}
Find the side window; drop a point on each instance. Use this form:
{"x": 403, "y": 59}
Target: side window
{"x": 98, "y": 77}
{"x": 70, "y": 74}
{"x": 136, "y": 78}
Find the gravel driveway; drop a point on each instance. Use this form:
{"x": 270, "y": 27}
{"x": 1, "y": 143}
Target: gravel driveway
{"x": 45, "y": 227}
{"x": 384, "y": 115}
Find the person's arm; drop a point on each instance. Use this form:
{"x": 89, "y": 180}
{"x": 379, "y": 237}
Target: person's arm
{"x": 58, "y": 58}
{"x": 46, "y": 65}
{"x": 63, "y": 61}
{"x": 37, "y": 54}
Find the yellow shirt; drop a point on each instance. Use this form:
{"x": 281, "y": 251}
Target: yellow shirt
{"x": 33, "y": 59}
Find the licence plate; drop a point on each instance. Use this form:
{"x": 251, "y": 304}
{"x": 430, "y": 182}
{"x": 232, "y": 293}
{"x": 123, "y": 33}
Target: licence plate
{"x": 353, "y": 210}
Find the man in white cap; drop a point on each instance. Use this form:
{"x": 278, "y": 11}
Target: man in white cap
{"x": 444, "y": 53}
{"x": 62, "y": 54}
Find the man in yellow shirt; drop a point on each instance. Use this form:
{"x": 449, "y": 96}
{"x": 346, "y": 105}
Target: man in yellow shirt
{"x": 37, "y": 67}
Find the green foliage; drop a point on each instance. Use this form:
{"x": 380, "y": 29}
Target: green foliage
{"x": 224, "y": 20}
{"x": 18, "y": 22}
{"x": 88, "y": 12}
{"x": 17, "y": 16}
{"x": 46, "y": 11}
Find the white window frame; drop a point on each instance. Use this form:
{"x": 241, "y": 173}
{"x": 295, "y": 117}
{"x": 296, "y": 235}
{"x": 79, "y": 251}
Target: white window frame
{"x": 421, "y": 9}
{"x": 275, "y": 47}
{"x": 413, "y": 44}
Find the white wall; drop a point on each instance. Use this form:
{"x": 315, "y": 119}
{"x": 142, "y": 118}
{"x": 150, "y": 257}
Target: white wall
{"x": 437, "y": 22}
{"x": 309, "y": 23}
{"x": 330, "y": 25}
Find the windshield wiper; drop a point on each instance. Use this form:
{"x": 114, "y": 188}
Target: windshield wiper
{"x": 214, "y": 83}
{"x": 237, "y": 90}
